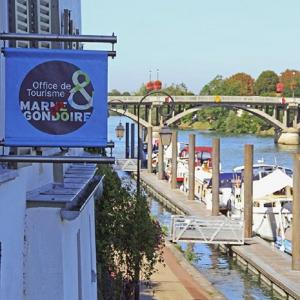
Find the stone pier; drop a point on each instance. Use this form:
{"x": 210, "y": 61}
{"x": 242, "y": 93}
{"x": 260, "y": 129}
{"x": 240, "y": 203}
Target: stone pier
{"x": 287, "y": 137}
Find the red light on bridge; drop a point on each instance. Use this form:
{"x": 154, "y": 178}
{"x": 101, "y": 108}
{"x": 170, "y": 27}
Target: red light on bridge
{"x": 279, "y": 87}
{"x": 149, "y": 86}
{"x": 157, "y": 85}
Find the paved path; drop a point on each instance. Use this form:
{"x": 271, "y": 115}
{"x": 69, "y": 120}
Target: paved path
{"x": 270, "y": 262}
{"x": 174, "y": 281}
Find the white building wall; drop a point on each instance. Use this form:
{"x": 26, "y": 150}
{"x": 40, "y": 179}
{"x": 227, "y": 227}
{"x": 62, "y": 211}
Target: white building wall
{"x": 80, "y": 233}
{"x": 12, "y": 212}
{"x": 43, "y": 272}
{"x": 55, "y": 262}
{"x": 36, "y": 175}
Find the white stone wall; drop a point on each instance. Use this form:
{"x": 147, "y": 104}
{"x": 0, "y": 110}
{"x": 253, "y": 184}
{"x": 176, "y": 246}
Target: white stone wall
{"x": 12, "y": 214}
{"x": 57, "y": 265}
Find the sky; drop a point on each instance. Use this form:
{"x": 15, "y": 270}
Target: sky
{"x": 192, "y": 41}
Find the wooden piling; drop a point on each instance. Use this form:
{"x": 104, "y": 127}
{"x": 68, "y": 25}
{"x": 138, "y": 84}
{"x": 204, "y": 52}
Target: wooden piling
{"x": 296, "y": 215}
{"x": 127, "y": 140}
{"x": 216, "y": 177}
{"x": 174, "y": 160}
{"x": 160, "y": 160}
{"x": 191, "y": 193}
{"x": 149, "y": 149}
{"x": 248, "y": 191}
{"x": 150, "y": 115}
{"x": 132, "y": 141}
{"x": 285, "y": 117}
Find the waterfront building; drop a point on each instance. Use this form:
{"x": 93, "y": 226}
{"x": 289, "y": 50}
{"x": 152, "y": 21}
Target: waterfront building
{"x": 46, "y": 251}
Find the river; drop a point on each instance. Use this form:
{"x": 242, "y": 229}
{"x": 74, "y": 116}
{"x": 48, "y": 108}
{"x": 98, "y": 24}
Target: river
{"x": 224, "y": 273}
{"x": 232, "y": 147}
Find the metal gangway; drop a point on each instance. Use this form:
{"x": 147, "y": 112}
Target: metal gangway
{"x": 127, "y": 165}
{"x": 206, "y": 230}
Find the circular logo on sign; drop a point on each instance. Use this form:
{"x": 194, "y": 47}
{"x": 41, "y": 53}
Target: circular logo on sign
{"x": 56, "y": 97}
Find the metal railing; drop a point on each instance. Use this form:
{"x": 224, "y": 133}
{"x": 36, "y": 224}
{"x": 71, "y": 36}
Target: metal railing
{"x": 207, "y": 230}
{"x": 209, "y": 99}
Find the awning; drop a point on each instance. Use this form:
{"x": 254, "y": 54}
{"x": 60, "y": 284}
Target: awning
{"x": 271, "y": 183}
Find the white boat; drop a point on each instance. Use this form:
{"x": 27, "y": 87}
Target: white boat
{"x": 203, "y": 169}
{"x": 202, "y": 164}
{"x": 225, "y": 191}
{"x": 272, "y": 200}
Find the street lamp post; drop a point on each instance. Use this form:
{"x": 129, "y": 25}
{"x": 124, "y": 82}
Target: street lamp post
{"x": 165, "y": 138}
{"x": 293, "y": 84}
{"x": 119, "y": 130}
{"x": 164, "y": 132}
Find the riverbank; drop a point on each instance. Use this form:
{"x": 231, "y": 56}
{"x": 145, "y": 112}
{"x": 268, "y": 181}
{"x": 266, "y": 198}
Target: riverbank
{"x": 206, "y": 126}
{"x": 178, "y": 279}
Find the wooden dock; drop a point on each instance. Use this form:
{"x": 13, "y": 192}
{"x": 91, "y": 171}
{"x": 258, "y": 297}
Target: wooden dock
{"x": 260, "y": 257}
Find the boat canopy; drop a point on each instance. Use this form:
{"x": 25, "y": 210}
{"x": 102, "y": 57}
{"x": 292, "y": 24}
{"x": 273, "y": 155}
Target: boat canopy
{"x": 226, "y": 179}
{"x": 198, "y": 149}
{"x": 271, "y": 183}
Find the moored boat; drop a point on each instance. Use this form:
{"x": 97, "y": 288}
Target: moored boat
{"x": 272, "y": 200}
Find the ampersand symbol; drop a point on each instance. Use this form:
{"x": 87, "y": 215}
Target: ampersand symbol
{"x": 79, "y": 87}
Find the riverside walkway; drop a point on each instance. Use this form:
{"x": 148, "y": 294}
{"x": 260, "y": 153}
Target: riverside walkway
{"x": 261, "y": 258}
{"x": 178, "y": 279}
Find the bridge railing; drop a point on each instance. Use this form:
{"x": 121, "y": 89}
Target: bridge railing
{"x": 208, "y": 99}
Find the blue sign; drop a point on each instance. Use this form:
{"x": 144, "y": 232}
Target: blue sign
{"x": 55, "y": 98}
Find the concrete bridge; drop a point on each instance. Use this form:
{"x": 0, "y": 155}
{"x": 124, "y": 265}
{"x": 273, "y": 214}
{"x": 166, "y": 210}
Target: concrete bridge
{"x": 282, "y": 114}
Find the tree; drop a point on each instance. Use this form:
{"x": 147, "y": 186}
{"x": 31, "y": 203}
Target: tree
{"x": 214, "y": 87}
{"x": 141, "y": 91}
{"x": 265, "y": 84}
{"x": 128, "y": 240}
{"x": 178, "y": 90}
{"x": 114, "y": 92}
{"x": 291, "y": 81}
{"x": 239, "y": 84}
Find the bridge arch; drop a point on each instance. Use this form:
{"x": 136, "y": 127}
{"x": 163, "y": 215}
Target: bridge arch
{"x": 130, "y": 116}
{"x": 261, "y": 114}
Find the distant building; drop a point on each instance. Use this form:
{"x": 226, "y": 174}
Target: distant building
{"x": 43, "y": 17}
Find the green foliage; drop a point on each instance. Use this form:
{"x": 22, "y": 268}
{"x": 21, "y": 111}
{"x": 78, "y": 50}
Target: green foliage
{"x": 214, "y": 87}
{"x": 228, "y": 121}
{"x": 265, "y": 84}
{"x": 174, "y": 90}
{"x": 178, "y": 90}
{"x": 240, "y": 84}
{"x": 128, "y": 240}
{"x": 189, "y": 253}
{"x": 114, "y": 92}
{"x": 141, "y": 91}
